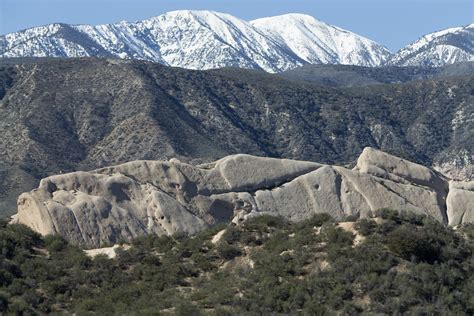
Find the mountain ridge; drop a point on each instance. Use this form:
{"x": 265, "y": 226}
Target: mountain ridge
{"x": 334, "y": 45}
{"x": 110, "y": 111}
{"x": 202, "y": 40}
{"x": 438, "y": 48}
{"x": 357, "y": 76}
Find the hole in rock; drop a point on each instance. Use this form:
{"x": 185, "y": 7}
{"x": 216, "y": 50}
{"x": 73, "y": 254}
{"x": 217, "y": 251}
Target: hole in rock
{"x": 119, "y": 191}
{"x": 239, "y": 204}
{"x": 222, "y": 211}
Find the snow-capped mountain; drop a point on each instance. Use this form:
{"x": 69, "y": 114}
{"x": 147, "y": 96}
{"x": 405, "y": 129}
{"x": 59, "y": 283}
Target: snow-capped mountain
{"x": 201, "y": 40}
{"x": 317, "y": 42}
{"x": 440, "y": 48}
{"x": 207, "y": 39}
{"x": 192, "y": 39}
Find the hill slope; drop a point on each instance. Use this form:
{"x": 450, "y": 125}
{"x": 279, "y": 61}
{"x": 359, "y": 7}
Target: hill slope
{"x": 391, "y": 264}
{"x": 357, "y": 76}
{"x": 72, "y": 114}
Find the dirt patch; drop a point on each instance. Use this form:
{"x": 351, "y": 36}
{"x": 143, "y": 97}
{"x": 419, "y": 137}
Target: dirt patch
{"x": 350, "y": 227}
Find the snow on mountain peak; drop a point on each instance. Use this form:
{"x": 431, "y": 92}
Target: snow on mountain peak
{"x": 439, "y": 48}
{"x": 318, "y": 42}
{"x": 208, "y": 39}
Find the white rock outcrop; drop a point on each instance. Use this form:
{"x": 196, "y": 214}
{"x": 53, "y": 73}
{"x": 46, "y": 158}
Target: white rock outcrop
{"x": 460, "y": 202}
{"x": 119, "y": 203}
{"x": 110, "y": 252}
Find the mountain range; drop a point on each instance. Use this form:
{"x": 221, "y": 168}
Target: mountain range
{"x": 207, "y": 39}
{"x": 61, "y": 115}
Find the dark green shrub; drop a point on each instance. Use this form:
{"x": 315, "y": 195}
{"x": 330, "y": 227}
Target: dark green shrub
{"x": 351, "y": 218}
{"x": 337, "y": 236}
{"x": 468, "y": 231}
{"x": 202, "y": 262}
{"x": 366, "y": 226}
{"x": 249, "y": 239}
{"x": 17, "y": 287}
{"x": 410, "y": 243}
{"x": 3, "y": 223}
{"x": 18, "y": 306}
{"x": 227, "y": 251}
{"x": 3, "y": 302}
{"x": 151, "y": 242}
{"x": 317, "y": 220}
{"x": 351, "y": 309}
{"x": 263, "y": 222}
{"x": 55, "y": 243}
{"x": 231, "y": 235}
{"x": 388, "y": 214}
{"x": 186, "y": 308}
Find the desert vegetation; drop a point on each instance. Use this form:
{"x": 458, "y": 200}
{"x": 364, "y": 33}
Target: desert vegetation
{"x": 392, "y": 263}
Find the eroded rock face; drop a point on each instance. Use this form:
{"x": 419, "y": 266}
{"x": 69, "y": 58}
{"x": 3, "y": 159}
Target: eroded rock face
{"x": 122, "y": 202}
{"x": 460, "y": 202}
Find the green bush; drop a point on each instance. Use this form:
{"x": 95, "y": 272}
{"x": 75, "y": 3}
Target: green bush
{"x": 263, "y": 222}
{"x": 3, "y": 301}
{"x": 410, "y": 243}
{"x": 186, "y": 308}
{"x": 337, "y": 236}
{"x": 388, "y": 214}
{"x": 55, "y": 243}
{"x": 231, "y": 235}
{"x": 366, "y": 226}
{"x": 227, "y": 251}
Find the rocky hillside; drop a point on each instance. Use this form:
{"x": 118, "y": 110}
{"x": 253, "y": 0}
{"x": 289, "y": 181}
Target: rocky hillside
{"x": 123, "y": 202}
{"x": 357, "y": 76}
{"x": 440, "y": 48}
{"x": 78, "y": 114}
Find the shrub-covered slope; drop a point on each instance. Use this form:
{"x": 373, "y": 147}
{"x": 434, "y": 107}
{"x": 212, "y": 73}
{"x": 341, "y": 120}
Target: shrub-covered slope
{"x": 389, "y": 264}
{"x": 356, "y": 76}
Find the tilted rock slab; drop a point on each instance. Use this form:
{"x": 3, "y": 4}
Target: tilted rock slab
{"x": 119, "y": 203}
{"x": 460, "y": 202}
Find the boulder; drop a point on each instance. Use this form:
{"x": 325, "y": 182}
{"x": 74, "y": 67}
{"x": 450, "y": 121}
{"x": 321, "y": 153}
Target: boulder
{"x": 383, "y": 165}
{"x": 460, "y": 202}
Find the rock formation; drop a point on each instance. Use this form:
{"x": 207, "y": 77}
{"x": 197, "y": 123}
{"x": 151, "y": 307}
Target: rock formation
{"x": 104, "y": 112}
{"x": 121, "y": 202}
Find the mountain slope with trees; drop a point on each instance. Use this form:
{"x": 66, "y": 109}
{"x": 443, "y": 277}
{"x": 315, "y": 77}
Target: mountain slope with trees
{"x": 357, "y": 76}
{"x": 60, "y": 115}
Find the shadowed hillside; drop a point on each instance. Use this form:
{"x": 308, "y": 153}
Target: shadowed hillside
{"x": 357, "y": 76}
{"x": 63, "y": 115}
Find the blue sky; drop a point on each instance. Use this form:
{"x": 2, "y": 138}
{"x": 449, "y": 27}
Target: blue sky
{"x": 393, "y": 23}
